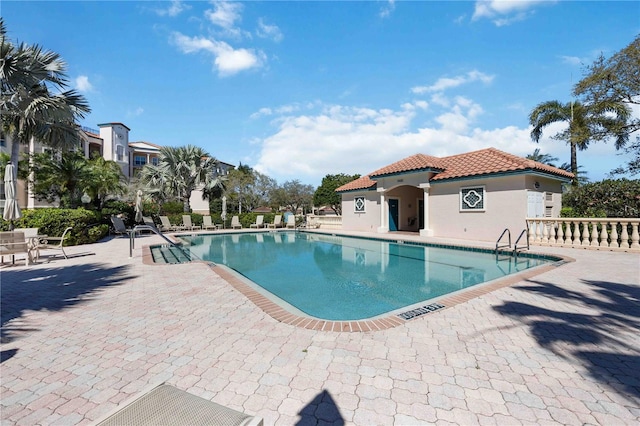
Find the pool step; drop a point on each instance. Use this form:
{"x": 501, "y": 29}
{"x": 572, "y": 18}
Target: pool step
{"x": 168, "y": 254}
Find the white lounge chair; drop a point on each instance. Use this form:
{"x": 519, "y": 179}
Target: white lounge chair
{"x": 235, "y": 223}
{"x": 187, "y": 224}
{"x": 277, "y": 222}
{"x": 259, "y": 222}
{"x": 208, "y": 224}
{"x": 167, "y": 226}
{"x": 291, "y": 221}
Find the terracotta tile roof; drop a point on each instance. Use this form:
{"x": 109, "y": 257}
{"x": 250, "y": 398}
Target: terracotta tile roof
{"x": 489, "y": 161}
{"x": 363, "y": 182}
{"x": 413, "y": 163}
{"x": 475, "y": 163}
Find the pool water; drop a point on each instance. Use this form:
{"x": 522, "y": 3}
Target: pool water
{"x": 345, "y": 278}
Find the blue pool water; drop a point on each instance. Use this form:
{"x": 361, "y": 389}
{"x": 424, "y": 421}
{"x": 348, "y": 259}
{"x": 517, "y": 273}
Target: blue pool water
{"x": 345, "y": 278}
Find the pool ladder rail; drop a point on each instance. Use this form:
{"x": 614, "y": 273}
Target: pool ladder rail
{"x": 137, "y": 228}
{"x": 507, "y": 232}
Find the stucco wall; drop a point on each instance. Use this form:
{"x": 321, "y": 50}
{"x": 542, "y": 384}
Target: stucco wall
{"x": 367, "y": 221}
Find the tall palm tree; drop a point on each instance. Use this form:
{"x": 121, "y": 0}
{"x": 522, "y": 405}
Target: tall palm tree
{"x": 586, "y": 123}
{"x": 35, "y": 102}
{"x": 180, "y": 171}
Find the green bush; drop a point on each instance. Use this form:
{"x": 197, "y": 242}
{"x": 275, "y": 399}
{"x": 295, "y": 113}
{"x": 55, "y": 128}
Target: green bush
{"x": 87, "y": 226}
{"x": 608, "y": 198}
{"x": 173, "y": 208}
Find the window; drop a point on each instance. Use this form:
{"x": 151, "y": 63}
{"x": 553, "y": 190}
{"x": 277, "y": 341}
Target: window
{"x": 472, "y": 199}
{"x": 359, "y": 204}
{"x": 154, "y": 161}
{"x": 3, "y": 142}
{"x": 119, "y": 153}
{"x": 139, "y": 160}
{"x": 548, "y": 197}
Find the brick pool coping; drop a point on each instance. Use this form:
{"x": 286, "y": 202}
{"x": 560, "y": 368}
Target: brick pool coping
{"x": 282, "y": 314}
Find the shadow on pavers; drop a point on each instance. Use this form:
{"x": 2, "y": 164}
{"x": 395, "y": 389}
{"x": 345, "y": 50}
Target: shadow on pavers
{"x": 51, "y": 289}
{"x": 563, "y": 333}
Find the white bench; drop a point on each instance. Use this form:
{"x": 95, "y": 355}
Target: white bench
{"x": 14, "y": 242}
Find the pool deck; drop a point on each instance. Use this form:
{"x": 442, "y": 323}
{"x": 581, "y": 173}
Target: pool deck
{"x": 82, "y": 335}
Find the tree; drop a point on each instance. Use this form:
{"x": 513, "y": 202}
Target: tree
{"x": 614, "y": 80}
{"x": 179, "y": 172}
{"x": 238, "y": 188}
{"x": 608, "y": 198}
{"x": 105, "y": 179}
{"x": 60, "y": 177}
{"x": 326, "y": 194}
{"x": 632, "y": 166}
{"x": 30, "y": 108}
{"x": 585, "y": 123}
{"x": 542, "y": 158}
{"x": 295, "y": 195}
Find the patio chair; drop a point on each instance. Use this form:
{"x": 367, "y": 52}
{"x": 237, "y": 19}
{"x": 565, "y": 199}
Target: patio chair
{"x": 31, "y": 237}
{"x": 187, "y": 224}
{"x": 119, "y": 228}
{"x": 56, "y": 243}
{"x": 168, "y": 405}
{"x": 208, "y": 224}
{"x": 277, "y": 222}
{"x": 258, "y": 223}
{"x": 12, "y": 243}
{"x": 235, "y": 223}
{"x": 291, "y": 221}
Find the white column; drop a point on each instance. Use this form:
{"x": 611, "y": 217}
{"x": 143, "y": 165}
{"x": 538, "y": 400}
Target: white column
{"x": 427, "y": 231}
{"x": 384, "y": 213}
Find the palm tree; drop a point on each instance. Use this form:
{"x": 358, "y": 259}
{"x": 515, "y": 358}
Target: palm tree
{"x": 105, "y": 179}
{"x": 30, "y": 109}
{"x": 179, "y": 172}
{"x": 542, "y": 158}
{"x": 586, "y": 123}
{"x": 60, "y": 177}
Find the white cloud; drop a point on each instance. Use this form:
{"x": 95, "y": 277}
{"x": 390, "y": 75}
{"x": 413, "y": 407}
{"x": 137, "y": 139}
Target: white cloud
{"x": 227, "y": 60}
{"x": 387, "y": 9}
{"x": 269, "y": 31}
{"x": 224, "y": 14}
{"x": 503, "y": 12}
{"x": 572, "y": 60}
{"x": 136, "y": 112}
{"x": 83, "y": 84}
{"x": 175, "y": 8}
{"x": 445, "y": 83}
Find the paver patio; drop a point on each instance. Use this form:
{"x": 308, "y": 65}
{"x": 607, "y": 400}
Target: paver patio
{"x": 82, "y": 335}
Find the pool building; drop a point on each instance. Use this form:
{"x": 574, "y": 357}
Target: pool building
{"x": 475, "y": 195}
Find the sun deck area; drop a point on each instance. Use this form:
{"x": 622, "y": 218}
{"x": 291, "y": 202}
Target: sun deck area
{"x": 81, "y": 336}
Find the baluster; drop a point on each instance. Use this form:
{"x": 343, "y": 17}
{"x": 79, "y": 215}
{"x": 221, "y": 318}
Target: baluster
{"x": 537, "y": 231}
{"x": 532, "y": 231}
{"x": 576, "y": 233}
{"x": 594, "y": 233}
{"x": 604, "y": 236}
{"x": 560, "y": 239}
{"x": 585, "y": 234}
{"x": 545, "y": 231}
{"x": 614, "y": 234}
{"x": 634, "y": 236}
{"x": 552, "y": 232}
{"x": 624, "y": 236}
{"x": 569, "y": 236}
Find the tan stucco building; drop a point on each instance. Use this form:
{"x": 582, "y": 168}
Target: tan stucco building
{"x": 475, "y": 195}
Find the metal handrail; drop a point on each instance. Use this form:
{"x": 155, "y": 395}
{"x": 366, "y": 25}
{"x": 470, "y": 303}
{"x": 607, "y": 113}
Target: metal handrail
{"x": 515, "y": 246}
{"x": 506, "y": 231}
{"x": 132, "y": 237}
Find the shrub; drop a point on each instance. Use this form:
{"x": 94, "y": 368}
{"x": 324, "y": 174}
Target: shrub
{"x": 608, "y": 198}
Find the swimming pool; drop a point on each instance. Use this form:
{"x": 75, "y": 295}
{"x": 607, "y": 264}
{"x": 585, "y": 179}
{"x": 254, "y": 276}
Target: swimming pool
{"x": 344, "y": 278}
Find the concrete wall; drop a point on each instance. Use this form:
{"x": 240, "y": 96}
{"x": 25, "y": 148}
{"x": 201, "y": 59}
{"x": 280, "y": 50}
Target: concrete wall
{"x": 367, "y": 221}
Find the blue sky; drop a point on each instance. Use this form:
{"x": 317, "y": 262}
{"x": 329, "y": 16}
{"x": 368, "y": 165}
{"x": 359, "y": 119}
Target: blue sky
{"x": 301, "y": 89}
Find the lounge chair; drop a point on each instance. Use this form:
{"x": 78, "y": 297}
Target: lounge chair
{"x": 259, "y": 222}
{"x": 291, "y": 221}
{"x": 186, "y": 223}
{"x": 167, "y": 405}
{"x": 165, "y": 225}
{"x": 56, "y": 243}
{"x": 277, "y": 222}
{"x": 208, "y": 224}
{"x": 235, "y": 223}
{"x": 119, "y": 227}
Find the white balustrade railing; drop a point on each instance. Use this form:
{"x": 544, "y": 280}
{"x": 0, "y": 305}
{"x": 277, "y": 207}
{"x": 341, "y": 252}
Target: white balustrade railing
{"x": 325, "y": 222}
{"x": 603, "y": 233}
